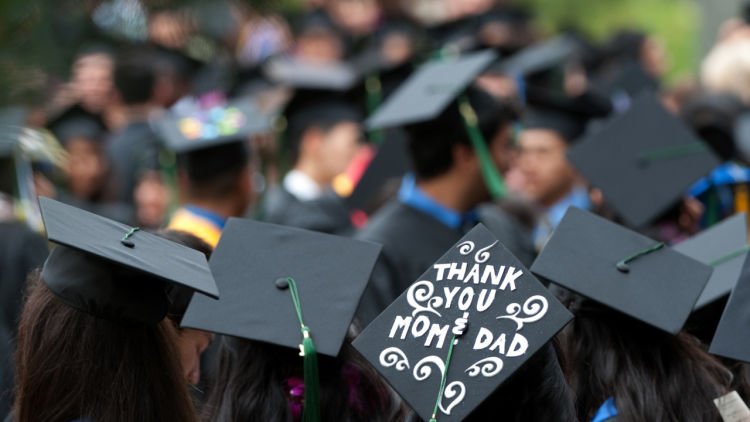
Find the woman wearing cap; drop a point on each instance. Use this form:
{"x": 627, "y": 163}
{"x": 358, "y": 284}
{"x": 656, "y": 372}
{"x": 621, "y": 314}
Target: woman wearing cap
{"x": 95, "y": 342}
{"x": 623, "y": 367}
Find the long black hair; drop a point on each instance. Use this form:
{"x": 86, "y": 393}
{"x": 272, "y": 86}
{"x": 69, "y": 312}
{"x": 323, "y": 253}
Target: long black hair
{"x": 71, "y": 365}
{"x": 652, "y": 375}
{"x": 251, "y": 385}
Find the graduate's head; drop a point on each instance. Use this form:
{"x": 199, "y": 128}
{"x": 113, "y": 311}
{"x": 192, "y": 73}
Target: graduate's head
{"x": 322, "y": 138}
{"x": 135, "y": 77}
{"x": 219, "y": 173}
{"x": 82, "y": 134}
{"x": 548, "y": 176}
{"x": 94, "y": 341}
{"x": 441, "y": 147}
{"x": 551, "y": 124}
{"x": 71, "y": 365}
{"x": 91, "y": 78}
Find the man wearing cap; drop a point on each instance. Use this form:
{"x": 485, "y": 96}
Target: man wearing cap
{"x": 215, "y": 179}
{"x": 550, "y": 181}
{"x": 322, "y": 137}
{"x": 438, "y": 202}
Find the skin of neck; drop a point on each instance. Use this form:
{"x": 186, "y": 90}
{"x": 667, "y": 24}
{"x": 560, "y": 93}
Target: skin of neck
{"x": 312, "y": 170}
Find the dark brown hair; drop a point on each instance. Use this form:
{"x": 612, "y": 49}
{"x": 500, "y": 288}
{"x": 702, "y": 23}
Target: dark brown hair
{"x": 652, "y": 375}
{"x": 71, "y": 365}
{"x": 249, "y": 385}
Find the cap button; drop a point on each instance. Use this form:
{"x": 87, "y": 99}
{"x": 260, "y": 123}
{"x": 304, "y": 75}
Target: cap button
{"x": 282, "y": 283}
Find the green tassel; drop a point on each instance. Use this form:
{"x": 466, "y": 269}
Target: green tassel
{"x": 311, "y": 411}
{"x": 374, "y": 98}
{"x": 492, "y": 177}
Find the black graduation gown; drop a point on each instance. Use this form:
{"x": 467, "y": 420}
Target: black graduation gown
{"x": 327, "y": 214}
{"x": 21, "y": 251}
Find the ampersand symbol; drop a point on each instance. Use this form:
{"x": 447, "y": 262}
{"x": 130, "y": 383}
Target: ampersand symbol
{"x": 460, "y": 325}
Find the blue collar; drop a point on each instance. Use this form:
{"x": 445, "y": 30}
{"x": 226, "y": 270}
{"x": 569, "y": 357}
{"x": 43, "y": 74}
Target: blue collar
{"x": 578, "y": 197}
{"x": 205, "y": 214}
{"x": 410, "y": 194}
{"x": 606, "y": 412}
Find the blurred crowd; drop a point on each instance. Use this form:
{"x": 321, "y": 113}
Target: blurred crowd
{"x": 311, "y": 79}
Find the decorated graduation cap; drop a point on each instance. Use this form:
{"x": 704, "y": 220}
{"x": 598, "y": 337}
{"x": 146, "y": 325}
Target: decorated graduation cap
{"x": 643, "y": 160}
{"x": 117, "y": 272}
{"x": 622, "y": 269}
{"x": 285, "y": 286}
{"x": 432, "y": 90}
{"x": 210, "y": 135}
{"x": 208, "y": 121}
{"x": 462, "y": 329}
{"x": 731, "y": 340}
{"x": 724, "y": 247}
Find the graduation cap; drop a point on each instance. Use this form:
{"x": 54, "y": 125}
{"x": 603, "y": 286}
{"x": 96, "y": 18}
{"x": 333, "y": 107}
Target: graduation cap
{"x": 302, "y": 74}
{"x": 430, "y": 91}
{"x": 117, "y": 272}
{"x": 199, "y": 123}
{"x": 539, "y": 57}
{"x": 628, "y": 78}
{"x": 460, "y": 331}
{"x": 731, "y": 340}
{"x": 724, "y": 247}
{"x": 285, "y": 286}
{"x": 622, "y": 269}
{"x": 210, "y": 135}
{"x": 567, "y": 116}
{"x": 643, "y": 160}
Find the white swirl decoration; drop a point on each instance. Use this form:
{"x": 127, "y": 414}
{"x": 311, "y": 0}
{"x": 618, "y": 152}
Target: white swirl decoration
{"x": 488, "y": 367}
{"x": 422, "y": 369}
{"x": 393, "y": 356}
{"x": 455, "y": 389}
{"x": 420, "y": 293}
{"x": 465, "y": 248}
{"x": 534, "y": 309}
{"x": 483, "y": 254}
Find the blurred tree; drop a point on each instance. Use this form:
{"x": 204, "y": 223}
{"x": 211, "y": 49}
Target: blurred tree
{"x": 674, "y": 22}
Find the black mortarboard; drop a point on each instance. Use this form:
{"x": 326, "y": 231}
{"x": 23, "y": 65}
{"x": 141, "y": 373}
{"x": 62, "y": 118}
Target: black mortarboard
{"x": 629, "y": 78}
{"x": 330, "y": 273}
{"x": 622, "y": 269}
{"x": 539, "y": 57}
{"x": 113, "y": 271}
{"x": 77, "y": 122}
{"x": 430, "y": 90}
{"x": 390, "y": 161}
{"x": 724, "y": 247}
{"x": 567, "y": 116}
{"x": 477, "y": 287}
{"x": 301, "y": 74}
{"x": 731, "y": 339}
{"x": 643, "y": 160}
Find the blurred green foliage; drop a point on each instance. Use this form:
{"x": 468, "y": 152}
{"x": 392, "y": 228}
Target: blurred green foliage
{"x": 674, "y": 22}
